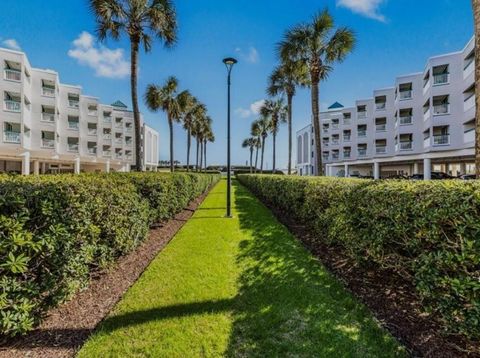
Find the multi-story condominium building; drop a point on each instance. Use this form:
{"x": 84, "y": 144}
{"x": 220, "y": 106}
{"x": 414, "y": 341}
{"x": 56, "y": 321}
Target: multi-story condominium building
{"x": 425, "y": 122}
{"x": 50, "y": 127}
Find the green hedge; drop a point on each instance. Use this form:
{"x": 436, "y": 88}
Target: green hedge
{"x": 56, "y": 230}
{"x": 426, "y": 231}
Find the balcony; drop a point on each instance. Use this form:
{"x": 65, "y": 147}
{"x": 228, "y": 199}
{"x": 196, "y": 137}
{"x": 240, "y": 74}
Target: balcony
{"x": 347, "y": 121}
{"x": 73, "y": 125}
{"x": 362, "y": 115}
{"x": 469, "y": 67}
{"x": 92, "y": 112}
{"x": 405, "y": 146}
{"x": 325, "y": 157}
{"x": 107, "y": 136}
{"x": 469, "y": 135}
{"x": 441, "y": 139}
{"x": 129, "y": 129}
{"x": 380, "y": 127}
{"x": 406, "y": 120}
{"x": 92, "y": 150}
{"x": 325, "y": 144}
{"x": 11, "y": 137}
{"x": 107, "y": 153}
{"x": 107, "y": 120}
{"x": 92, "y": 131}
{"x": 129, "y": 143}
{"x": 381, "y": 106}
{"x": 362, "y": 153}
{"x": 128, "y": 156}
{"x": 72, "y": 147}
{"x": 48, "y": 91}
{"x": 347, "y": 155}
{"x": 469, "y": 102}
{"x": 118, "y": 141}
{"x": 48, "y": 117}
{"x": 48, "y": 143}
{"x": 441, "y": 109}
{"x": 362, "y": 134}
{"x": 118, "y": 155}
{"x": 13, "y": 75}
{"x": 335, "y": 141}
{"x": 346, "y": 138}
{"x": 335, "y": 156}
{"x": 440, "y": 79}
{"x": 325, "y": 129}
{"x": 334, "y": 125}
{"x": 12, "y": 106}
{"x": 404, "y": 95}
{"x": 426, "y": 114}
{"x": 380, "y": 149}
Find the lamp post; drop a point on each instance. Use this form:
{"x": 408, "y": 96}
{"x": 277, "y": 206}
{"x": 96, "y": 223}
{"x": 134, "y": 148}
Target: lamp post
{"x": 229, "y": 62}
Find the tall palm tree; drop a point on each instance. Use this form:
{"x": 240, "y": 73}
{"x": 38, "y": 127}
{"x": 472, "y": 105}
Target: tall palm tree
{"x": 256, "y": 133}
{"x": 319, "y": 45}
{"x": 476, "y": 17}
{"x": 250, "y": 143}
{"x": 192, "y": 109}
{"x": 142, "y": 21}
{"x": 284, "y": 80}
{"x": 209, "y": 138}
{"x": 165, "y": 98}
{"x": 277, "y": 112}
{"x": 262, "y": 126}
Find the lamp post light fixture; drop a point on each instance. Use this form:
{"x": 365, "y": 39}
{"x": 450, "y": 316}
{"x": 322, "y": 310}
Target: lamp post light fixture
{"x": 229, "y": 62}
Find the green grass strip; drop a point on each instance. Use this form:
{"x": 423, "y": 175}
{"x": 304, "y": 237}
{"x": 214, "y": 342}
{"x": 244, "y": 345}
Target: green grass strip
{"x": 238, "y": 287}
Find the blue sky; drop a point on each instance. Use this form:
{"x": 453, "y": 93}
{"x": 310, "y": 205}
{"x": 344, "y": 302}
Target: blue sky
{"x": 394, "y": 37}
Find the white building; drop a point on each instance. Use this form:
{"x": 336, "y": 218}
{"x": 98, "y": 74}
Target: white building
{"x": 425, "y": 122}
{"x": 50, "y": 127}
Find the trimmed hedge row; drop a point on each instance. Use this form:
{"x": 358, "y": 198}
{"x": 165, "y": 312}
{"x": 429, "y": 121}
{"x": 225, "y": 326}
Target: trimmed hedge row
{"x": 426, "y": 231}
{"x": 56, "y": 230}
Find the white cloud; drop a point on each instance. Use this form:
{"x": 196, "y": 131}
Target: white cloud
{"x": 11, "y": 44}
{"x": 253, "y": 109}
{"x": 106, "y": 62}
{"x": 368, "y": 8}
{"x": 250, "y": 56}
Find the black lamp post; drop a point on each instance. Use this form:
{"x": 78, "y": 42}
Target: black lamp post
{"x": 229, "y": 62}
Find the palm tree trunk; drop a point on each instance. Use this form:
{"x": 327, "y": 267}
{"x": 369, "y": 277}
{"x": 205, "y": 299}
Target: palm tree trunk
{"x": 274, "y": 150}
{"x": 205, "y": 156}
{"x": 251, "y": 157}
{"x": 261, "y": 159}
{"x": 289, "y": 119}
{"x": 196, "y": 164}
{"x": 136, "y": 112}
{"x": 201, "y": 155}
{"x": 316, "y": 129}
{"x": 189, "y": 139}
{"x": 256, "y": 160}
{"x": 170, "y": 127}
{"x": 476, "y": 16}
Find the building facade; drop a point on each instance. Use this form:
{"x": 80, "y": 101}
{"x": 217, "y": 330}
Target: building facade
{"x": 50, "y": 127}
{"x": 425, "y": 123}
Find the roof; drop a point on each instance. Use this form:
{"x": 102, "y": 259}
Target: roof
{"x": 336, "y": 105}
{"x": 119, "y": 104}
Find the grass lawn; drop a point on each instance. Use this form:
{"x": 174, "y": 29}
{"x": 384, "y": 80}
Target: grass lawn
{"x": 238, "y": 287}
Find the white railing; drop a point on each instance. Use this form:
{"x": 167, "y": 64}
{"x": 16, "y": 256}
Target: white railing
{"x": 72, "y": 147}
{"x": 405, "y": 120}
{"x": 335, "y": 141}
{"x": 92, "y": 131}
{"x": 406, "y": 94}
{"x": 426, "y": 142}
{"x": 362, "y": 152}
{"x": 346, "y": 138}
{"x": 335, "y": 156}
{"x": 440, "y": 79}
{"x": 347, "y": 121}
{"x": 325, "y": 129}
{"x": 406, "y": 145}
{"x": 442, "y": 139}
{"x": 381, "y": 106}
{"x": 129, "y": 129}
{"x": 49, "y": 92}
{"x": 92, "y": 150}
{"x": 107, "y": 153}
{"x": 346, "y": 155}
{"x": 118, "y": 140}
{"x": 12, "y": 106}
{"x": 381, "y": 127}
{"x": 469, "y": 69}
{"x": 119, "y": 125}
{"x": 441, "y": 108}
{"x": 335, "y": 126}
{"x": 426, "y": 85}
{"x": 13, "y": 75}
{"x": 73, "y": 125}
{"x": 73, "y": 103}
{"x": 469, "y": 135}
{"x": 92, "y": 112}
{"x": 48, "y": 143}
{"x": 362, "y": 115}
{"x": 380, "y": 149}
{"x": 469, "y": 102}
{"x": 426, "y": 114}
{"x": 48, "y": 117}
{"x": 11, "y": 137}
{"x": 107, "y": 119}
{"x": 107, "y": 136}
{"x": 362, "y": 134}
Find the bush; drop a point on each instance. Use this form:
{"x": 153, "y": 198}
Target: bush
{"x": 56, "y": 230}
{"x": 426, "y": 231}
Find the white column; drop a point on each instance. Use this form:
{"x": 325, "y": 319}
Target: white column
{"x": 76, "y": 166}
{"x": 26, "y": 163}
{"x": 463, "y": 168}
{"x": 44, "y": 167}
{"x": 107, "y": 167}
{"x": 416, "y": 168}
{"x": 347, "y": 174}
{"x": 427, "y": 169}
{"x": 376, "y": 170}
{"x": 36, "y": 167}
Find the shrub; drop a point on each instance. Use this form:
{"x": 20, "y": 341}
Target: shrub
{"x": 426, "y": 231}
{"x": 56, "y": 230}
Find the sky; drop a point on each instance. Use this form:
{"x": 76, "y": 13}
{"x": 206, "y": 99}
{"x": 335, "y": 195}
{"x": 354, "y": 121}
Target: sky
{"x": 394, "y": 37}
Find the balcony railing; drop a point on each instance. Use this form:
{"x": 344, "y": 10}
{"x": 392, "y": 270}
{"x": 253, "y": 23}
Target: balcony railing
{"x": 325, "y": 157}
{"x": 11, "y": 137}
{"x": 325, "y": 144}
{"x": 469, "y": 135}
{"x": 48, "y": 143}
{"x": 128, "y": 156}
{"x": 118, "y": 140}
{"x": 107, "y": 153}
{"x": 362, "y": 134}
{"x": 48, "y": 92}
{"x": 335, "y": 141}
{"x": 48, "y": 117}
{"x": 469, "y": 102}
{"x": 440, "y": 79}
{"x": 92, "y": 112}
{"x": 129, "y": 129}
{"x": 381, "y": 106}
{"x": 380, "y": 149}
{"x": 381, "y": 127}
{"x": 73, "y": 103}
{"x": 426, "y": 114}
{"x": 335, "y": 126}
{"x": 405, "y": 120}
{"x": 73, "y": 125}
{"x": 118, "y": 155}
{"x": 92, "y": 151}
{"x": 347, "y": 121}
{"x": 72, "y": 147}
{"x": 13, "y": 106}
{"x": 406, "y": 94}
{"x": 118, "y": 125}
{"x": 442, "y": 139}
{"x": 441, "y": 108}
{"x": 362, "y": 115}
{"x": 129, "y": 143}
{"x": 426, "y": 142}
{"x": 346, "y": 138}
{"x": 468, "y": 70}
{"x": 362, "y": 152}
{"x": 346, "y": 155}
{"x": 107, "y": 136}
{"x": 335, "y": 156}
{"x": 92, "y": 131}
{"x": 107, "y": 120}
{"x": 325, "y": 129}
{"x": 406, "y": 145}
{"x": 13, "y": 75}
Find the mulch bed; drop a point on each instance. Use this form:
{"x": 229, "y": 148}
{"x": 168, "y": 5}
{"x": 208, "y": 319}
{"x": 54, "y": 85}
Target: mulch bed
{"x": 391, "y": 298}
{"x": 66, "y": 328}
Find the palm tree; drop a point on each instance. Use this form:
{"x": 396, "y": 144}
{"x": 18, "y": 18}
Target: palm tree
{"x": 250, "y": 143}
{"x": 165, "y": 98}
{"x": 317, "y": 44}
{"x": 191, "y": 111}
{"x": 262, "y": 126}
{"x": 476, "y": 17}
{"x": 277, "y": 112}
{"x": 283, "y": 81}
{"x": 141, "y": 21}
{"x": 256, "y": 133}
{"x": 209, "y": 137}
